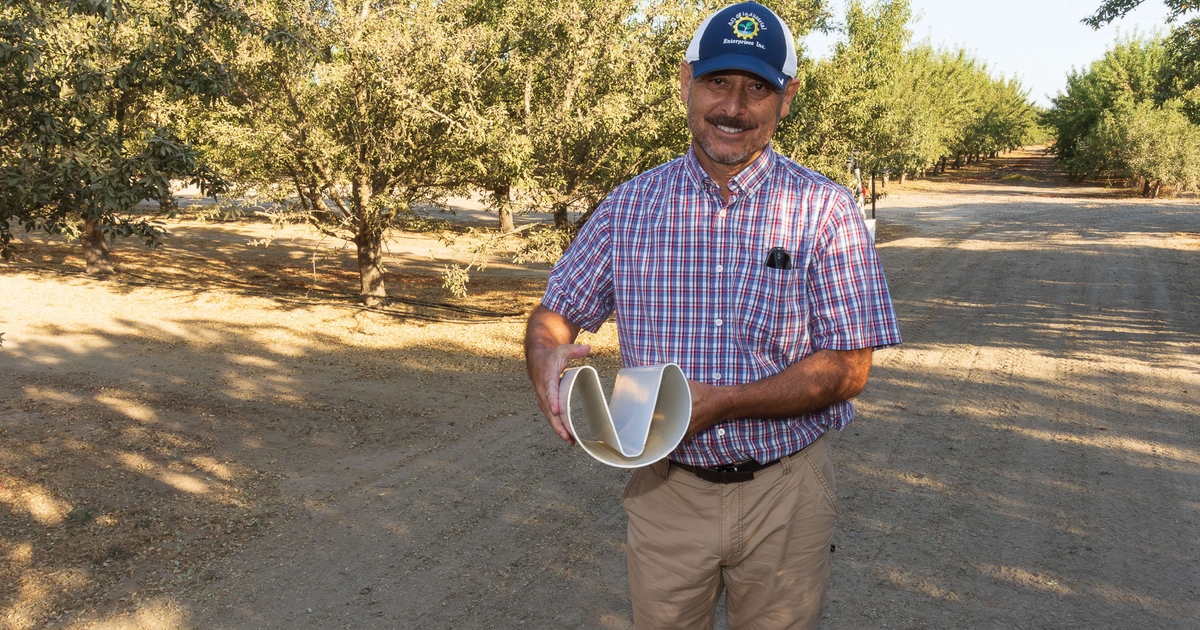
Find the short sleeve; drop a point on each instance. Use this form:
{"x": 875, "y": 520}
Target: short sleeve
{"x": 580, "y": 286}
{"x": 852, "y": 308}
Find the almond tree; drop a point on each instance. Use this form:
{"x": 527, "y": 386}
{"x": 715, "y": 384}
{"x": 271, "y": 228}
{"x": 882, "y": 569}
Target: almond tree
{"x": 1121, "y": 118}
{"x": 891, "y": 107}
{"x": 1110, "y": 10}
{"x": 1181, "y": 77}
{"x": 81, "y": 85}
{"x": 580, "y": 97}
{"x": 347, "y": 113}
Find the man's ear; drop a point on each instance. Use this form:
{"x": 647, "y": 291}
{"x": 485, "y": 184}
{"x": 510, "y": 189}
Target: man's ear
{"x": 789, "y": 93}
{"x": 685, "y": 81}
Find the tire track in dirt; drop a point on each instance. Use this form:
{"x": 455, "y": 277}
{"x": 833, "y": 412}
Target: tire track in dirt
{"x": 979, "y": 491}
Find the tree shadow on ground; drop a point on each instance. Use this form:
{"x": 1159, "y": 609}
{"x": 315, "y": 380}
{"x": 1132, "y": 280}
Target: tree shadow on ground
{"x": 1027, "y": 461}
{"x": 298, "y": 269}
{"x": 141, "y": 464}
{"x": 1029, "y": 457}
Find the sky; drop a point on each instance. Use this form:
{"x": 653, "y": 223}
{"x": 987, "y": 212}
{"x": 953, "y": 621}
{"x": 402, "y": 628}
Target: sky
{"x": 1038, "y": 41}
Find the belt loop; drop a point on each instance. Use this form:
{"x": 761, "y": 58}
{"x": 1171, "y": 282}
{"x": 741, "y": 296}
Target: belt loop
{"x": 787, "y": 463}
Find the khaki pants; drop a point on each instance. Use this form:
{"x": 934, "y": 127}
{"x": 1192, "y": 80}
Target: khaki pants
{"x": 765, "y": 543}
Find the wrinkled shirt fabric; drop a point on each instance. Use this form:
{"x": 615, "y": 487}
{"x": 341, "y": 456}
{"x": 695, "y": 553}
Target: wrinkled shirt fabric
{"x": 685, "y": 272}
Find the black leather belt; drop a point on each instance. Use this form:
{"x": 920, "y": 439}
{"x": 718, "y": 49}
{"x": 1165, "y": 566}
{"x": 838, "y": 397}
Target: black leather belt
{"x": 739, "y": 472}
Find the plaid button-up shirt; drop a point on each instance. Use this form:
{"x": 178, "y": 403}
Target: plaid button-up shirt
{"x": 685, "y": 273}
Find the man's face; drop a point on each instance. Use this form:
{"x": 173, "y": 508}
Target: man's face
{"x": 732, "y": 114}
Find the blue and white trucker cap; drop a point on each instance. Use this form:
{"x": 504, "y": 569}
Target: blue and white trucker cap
{"x": 745, "y": 36}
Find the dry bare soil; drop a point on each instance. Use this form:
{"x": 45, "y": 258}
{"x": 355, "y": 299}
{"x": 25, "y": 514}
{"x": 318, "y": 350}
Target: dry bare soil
{"x": 216, "y": 438}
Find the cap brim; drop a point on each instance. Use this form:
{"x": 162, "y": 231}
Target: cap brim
{"x": 747, "y": 63}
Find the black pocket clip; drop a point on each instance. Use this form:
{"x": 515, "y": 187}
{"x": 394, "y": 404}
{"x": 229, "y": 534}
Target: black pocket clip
{"x": 778, "y": 258}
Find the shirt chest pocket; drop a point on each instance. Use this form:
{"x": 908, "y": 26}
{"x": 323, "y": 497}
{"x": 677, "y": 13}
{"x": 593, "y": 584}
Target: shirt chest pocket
{"x": 771, "y": 309}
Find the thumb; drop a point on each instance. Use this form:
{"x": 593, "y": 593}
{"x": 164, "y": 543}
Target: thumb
{"x": 576, "y": 350}
{"x": 566, "y": 352}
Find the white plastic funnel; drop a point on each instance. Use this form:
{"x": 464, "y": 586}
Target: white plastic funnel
{"x": 650, "y": 412}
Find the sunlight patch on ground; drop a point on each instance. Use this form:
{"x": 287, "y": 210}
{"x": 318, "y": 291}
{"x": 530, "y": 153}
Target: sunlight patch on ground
{"x": 128, "y": 408}
{"x": 253, "y": 361}
{"x": 1043, "y": 371}
{"x": 1109, "y": 443}
{"x": 33, "y": 500}
{"x": 248, "y": 386}
{"x": 1020, "y": 577}
{"x": 51, "y": 395}
{"x": 1180, "y": 610}
{"x": 924, "y": 482}
{"x": 1187, "y": 240}
{"x": 22, "y": 553}
{"x": 919, "y": 584}
{"x": 184, "y": 483}
{"x": 60, "y": 350}
{"x": 35, "y": 597}
{"x": 212, "y": 467}
{"x": 609, "y": 621}
{"x": 196, "y": 336}
{"x": 1036, "y": 241}
{"x": 157, "y": 615}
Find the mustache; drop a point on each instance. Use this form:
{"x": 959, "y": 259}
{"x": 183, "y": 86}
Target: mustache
{"x": 727, "y": 121}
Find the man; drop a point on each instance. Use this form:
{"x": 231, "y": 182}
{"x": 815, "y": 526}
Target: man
{"x": 758, "y": 278}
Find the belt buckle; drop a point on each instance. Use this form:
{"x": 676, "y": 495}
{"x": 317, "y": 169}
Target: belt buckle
{"x": 734, "y": 467}
{"x": 730, "y": 473}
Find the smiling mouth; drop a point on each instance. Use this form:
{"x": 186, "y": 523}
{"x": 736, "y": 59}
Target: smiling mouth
{"x": 728, "y": 129}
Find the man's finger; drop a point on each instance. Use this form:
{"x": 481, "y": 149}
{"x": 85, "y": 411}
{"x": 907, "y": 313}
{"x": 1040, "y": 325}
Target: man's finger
{"x": 560, "y": 427}
{"x": 563, "y": 354}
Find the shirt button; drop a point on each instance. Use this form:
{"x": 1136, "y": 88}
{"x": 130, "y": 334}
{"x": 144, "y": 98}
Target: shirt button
{"x": 716, "y": 376}
{"x": 721, "y": 214}
{"x": 718, "y": 321}
{"x": 720, "y": 431}
{"x": 720, "y": 268}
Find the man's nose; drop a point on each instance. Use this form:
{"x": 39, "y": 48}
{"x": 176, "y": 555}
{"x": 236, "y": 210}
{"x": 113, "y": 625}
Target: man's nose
{"x": 734, "y": 103}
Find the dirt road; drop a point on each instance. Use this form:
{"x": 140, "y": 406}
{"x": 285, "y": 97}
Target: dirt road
{"x": 211, "y": 442}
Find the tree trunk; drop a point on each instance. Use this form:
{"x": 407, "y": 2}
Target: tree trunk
{"x": 370, "y": 267}
{"x": 368, "y": 238}
{"x": 506, "y": 221}
{"x": 95, "y": 249}
{"x": 903, "y": 177}
{"x": 958, "y": 161}
{"x": 560, "y": 215}
{"x": 887, "y": 175}
{"x": 503, "y": 195}
{"x": 1155, "y": 188}
{"x": 168, "y": 205}
{"x": 935, "y": 172}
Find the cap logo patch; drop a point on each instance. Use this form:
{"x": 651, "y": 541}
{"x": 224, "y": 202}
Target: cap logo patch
{"x": 745, "y": 26}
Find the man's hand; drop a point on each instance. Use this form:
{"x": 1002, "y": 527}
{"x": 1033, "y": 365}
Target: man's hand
{"x": 708, "y": 407}
{"x": 545, "y": 372}
{"x": 549, "y": 348}
{"x": 819, "y": 380}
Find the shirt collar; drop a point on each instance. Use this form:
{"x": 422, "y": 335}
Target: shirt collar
{"x": 745, "y": 182}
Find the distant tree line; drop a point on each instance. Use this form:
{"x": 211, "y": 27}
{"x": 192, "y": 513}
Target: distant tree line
{"x": 347, "y": 114}
{"x": 1135, "y": 114}
{"x": 892, "y": 106}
